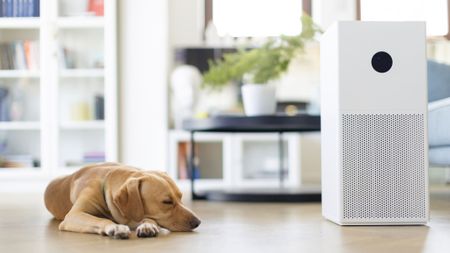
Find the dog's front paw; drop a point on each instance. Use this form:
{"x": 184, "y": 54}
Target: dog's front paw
{"x": 117, "y": 231}
{"x": 147, "y": 230}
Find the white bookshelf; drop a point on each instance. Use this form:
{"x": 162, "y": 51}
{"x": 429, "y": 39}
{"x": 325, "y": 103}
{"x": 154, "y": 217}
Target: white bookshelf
{"x": 51, "y": 132}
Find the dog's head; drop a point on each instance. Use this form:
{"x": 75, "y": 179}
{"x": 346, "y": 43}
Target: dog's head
{"x": 155, "y": 196}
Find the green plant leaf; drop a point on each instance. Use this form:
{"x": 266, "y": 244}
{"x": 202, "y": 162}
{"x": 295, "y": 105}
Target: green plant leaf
{"x": 263, "y": 64}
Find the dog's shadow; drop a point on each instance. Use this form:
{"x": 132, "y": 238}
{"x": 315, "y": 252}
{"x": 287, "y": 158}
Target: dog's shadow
{"x": 53, "y": 231}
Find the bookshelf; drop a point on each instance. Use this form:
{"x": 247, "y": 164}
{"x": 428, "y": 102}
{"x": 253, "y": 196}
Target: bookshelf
{"x": 64, "y": 112}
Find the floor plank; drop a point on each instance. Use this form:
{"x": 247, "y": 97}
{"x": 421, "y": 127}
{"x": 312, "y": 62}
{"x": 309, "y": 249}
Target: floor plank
{"x": 25, "y": 226}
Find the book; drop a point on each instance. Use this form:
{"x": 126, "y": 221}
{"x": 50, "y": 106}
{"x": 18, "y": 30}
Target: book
{"x": 99, "y": 107}
{"x": 29, "y": 12}
{"x": 182, "y": 160}
{"x": 9, "y": 8}
{"x": 20, "y": 55}
{"x": 36, "y": 8}
{"x": 4, "y": 104}
{"x": 96, "y": 7}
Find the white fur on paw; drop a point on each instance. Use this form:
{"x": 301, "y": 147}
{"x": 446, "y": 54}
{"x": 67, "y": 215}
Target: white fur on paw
{"x": 117, "y": 231}
{"x": 147, "y": 230}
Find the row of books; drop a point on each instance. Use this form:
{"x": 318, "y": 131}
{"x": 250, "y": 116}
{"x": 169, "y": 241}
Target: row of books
{"x": 18, "y": 161}
{"x": 184, "y": 152}
{"x": 19, "y": 55}
{"x": 83, "y": 111}
{"x": 19, "y": 8}
{"x": 12, "y": 103}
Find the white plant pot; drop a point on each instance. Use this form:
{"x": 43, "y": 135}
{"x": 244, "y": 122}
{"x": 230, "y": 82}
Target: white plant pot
{"x": 259, "y": 99}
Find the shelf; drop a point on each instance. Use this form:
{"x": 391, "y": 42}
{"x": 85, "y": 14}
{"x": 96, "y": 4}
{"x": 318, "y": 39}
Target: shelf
{"x": 22, "y": 173}
{"x": 83, "y": 125}
{"x": 71, "y": 169}
{"x": 82, "y": 73}
{"x": 80, "y": 22}
{"x": 66, "y": 170}
{"x": 20, "y": 125}
{"x": 17, "y": 73}
{"x": 20, "y": 23}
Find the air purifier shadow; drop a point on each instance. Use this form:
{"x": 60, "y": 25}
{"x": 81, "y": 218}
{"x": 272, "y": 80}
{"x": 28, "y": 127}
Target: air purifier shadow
{"x": 383, "y": 238}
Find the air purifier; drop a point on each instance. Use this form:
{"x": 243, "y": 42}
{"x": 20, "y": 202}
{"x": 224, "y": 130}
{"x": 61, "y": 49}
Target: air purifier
{"x": 374, "y": 123}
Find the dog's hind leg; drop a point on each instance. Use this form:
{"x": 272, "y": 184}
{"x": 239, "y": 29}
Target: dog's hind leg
{"x": 57, "y": 197}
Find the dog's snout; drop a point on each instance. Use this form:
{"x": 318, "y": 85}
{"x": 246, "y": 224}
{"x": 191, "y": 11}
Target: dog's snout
{"x": 194, "y": 223}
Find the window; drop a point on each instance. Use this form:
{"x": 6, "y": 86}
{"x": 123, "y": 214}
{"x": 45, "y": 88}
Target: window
{"x": 434, "y": 12}
{"x": 257, "y": 18}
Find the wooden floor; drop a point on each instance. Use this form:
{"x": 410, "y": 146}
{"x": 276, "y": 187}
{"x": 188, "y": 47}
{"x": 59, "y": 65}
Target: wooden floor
{"x": 25, "y": 226}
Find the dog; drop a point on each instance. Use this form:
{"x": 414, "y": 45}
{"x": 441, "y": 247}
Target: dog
{"x": 112, "y": 198}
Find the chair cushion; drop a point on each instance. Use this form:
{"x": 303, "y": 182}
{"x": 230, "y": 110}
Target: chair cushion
{"x": 439, "y": 126}
{"x": 438, "y": 80}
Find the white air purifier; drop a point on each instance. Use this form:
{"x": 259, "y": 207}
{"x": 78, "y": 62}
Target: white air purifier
{"x": 374, "y": 123}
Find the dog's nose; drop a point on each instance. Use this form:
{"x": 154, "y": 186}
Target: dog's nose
{"x": 194, "y": 223}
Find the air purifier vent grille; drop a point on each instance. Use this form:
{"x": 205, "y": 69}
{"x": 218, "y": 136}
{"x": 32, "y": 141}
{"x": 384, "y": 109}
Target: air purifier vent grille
{"x": 383, "y": 166}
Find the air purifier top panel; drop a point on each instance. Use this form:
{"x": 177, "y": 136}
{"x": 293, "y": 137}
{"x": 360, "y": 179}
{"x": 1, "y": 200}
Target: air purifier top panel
{"x": 381, "y": 66}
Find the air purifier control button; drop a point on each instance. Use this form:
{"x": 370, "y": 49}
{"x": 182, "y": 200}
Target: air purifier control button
{"x": 381, "y": 62}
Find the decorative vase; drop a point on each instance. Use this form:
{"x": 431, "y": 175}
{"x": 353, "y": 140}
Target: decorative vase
{"x": 258, "y": 99}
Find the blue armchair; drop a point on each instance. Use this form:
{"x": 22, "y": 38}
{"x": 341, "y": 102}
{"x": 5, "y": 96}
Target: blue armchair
{"x": 439, "y": 113}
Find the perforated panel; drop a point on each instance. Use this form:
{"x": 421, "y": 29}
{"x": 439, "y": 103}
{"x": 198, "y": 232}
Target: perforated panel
{"x": 383, "y": 166}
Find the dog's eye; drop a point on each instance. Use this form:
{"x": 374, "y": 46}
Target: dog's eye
{"x": 168, "y": 202}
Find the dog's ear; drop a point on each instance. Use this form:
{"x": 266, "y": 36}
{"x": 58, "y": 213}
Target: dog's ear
{"x": 128, "y": 199}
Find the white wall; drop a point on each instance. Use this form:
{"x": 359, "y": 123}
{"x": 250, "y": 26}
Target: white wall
{"x": 186, "y": 18}
{"x": 143, "y": 60}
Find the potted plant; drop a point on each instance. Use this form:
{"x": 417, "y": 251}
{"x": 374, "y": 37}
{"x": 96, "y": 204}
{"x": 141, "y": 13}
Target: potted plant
{"x": 258, "y": 66}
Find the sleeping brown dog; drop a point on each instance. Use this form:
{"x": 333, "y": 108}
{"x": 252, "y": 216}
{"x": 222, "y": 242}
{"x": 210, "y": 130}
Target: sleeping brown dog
{"x": 111, "y": 198}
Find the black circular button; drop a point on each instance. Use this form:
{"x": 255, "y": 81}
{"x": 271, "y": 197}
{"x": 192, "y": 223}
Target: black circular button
{"x": 381, "y": 62}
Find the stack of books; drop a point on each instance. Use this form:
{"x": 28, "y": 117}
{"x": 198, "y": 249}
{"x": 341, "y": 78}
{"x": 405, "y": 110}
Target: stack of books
{"x": 17, "y": 161}
{"x": 19, "y": 8}
{"x": 93, "y": 157}
{"x": 88, "y": 158}
{"x": 19, "y": 55}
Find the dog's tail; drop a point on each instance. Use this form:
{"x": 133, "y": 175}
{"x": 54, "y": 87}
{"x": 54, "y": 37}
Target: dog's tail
{"x": 57, "y": 197}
